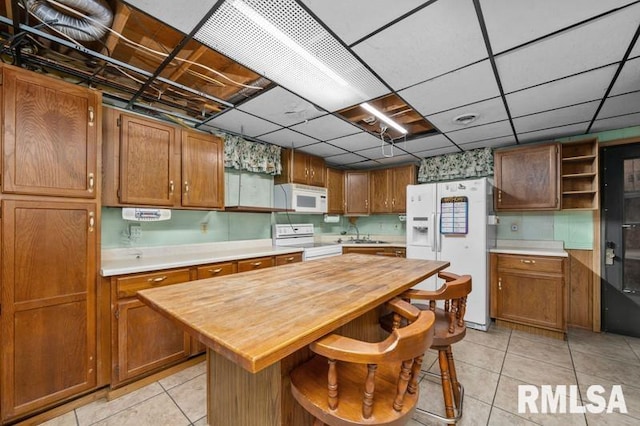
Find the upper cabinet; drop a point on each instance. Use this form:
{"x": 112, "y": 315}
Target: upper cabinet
{"x": 298, "y": 167}
{"x": 389, "y": 188}
{"x": 356, "y": 188}
{"x": 335, "y": 190}
{"x": 50, "y": 138}
{"x": 527, "y": 178}
{"x": 151, "y": 163}
{"x": 580, "y": 175}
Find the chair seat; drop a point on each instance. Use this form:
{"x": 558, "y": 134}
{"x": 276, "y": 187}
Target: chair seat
{"x": 309, "y": 387}
{"x": 442, "y": 337}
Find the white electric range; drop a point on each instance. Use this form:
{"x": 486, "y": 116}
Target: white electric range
{"x": 301, "y": 235}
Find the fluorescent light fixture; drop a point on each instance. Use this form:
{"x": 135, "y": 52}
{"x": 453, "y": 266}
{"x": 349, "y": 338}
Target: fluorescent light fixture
{"x": 384, "y": 118}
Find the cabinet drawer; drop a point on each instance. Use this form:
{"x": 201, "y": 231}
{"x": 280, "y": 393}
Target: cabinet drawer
{"x": 288, "y": 258}
{"x": 531, "y": 263}
{"x": 216, "y": 270}
{"x": 255, "y": 263}
{"x": 128, "y": 286}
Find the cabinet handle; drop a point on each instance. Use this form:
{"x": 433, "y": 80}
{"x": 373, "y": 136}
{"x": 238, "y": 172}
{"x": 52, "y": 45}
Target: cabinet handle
{"x": 92, "y": 221}
{"x": 289, "y": 259}
{"x": 215, "y": 271}
{"x": 158, "y": 279}
{"x": 499, "y": 196}
{"x": 186, "y": 187}
{"x": 171, "y": 187}
{"x": 366, "y": 204}
{"x": 91, "y": 182}
{"x": 528, "y": 261}
{"x": 256, "y": 264}
{"x": 306, "y": 172}
{"x": 499, "y": 283}
{"x": 91, "y": 116}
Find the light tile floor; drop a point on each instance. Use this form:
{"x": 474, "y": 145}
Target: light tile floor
{"x": 490, "y": 364}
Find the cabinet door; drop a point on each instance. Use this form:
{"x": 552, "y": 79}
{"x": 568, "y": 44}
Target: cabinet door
{"x": 48, "y": 321}
{"x": 357, "y": 193}
{"x": 255, "y": 263}
{"x": 285, "y": 259}
{"x": 401, "y": 177}
{"x": 146, "y": 340}
{"x": 527, "y": 178}
{"x": 316, "y": 171}
{"x": 335, "y": 190}
{"x": 533, "y": 299}
{"x": 379, "y": 187}
{"x": 147, "y": 164}
{"x": 299, "y": 167}
{"x": 216, "y": 270}
{"x": 202, "y": 170}
{"x": 50, "y": 136}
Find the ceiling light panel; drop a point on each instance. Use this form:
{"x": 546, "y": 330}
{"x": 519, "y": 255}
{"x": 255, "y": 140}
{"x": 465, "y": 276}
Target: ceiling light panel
{"x": 281, "y": 41}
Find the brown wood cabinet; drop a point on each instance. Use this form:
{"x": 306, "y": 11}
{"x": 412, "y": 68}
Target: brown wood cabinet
{"x": 356, "y": 195}
{"x": 335, "y": 191}
{"x": 378, "y": 251}
{"x": 152, "y": 163}
{"x": 50, "y": 137}
{"x": 255, "y": 263}
{"x": 388, "y": 188}
{"x": 527, "y": 178}
{"x": 299, "y": 167}
{"x": 580, "y": 175}
{"x": 529, "y": 291}
{"x": 143, "y": 341}
{"x": 48, "y": 298}
{"x": 285, "y": 259}
{"x": 216, "y": 270}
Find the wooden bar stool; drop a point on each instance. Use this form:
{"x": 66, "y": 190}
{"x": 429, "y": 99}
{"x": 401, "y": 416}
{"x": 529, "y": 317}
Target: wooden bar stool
{"x": 351, "y": 382}
{"x": 449, "y": 329}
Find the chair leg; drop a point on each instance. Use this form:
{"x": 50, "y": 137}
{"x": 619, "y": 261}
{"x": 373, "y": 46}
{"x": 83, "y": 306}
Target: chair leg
{"x": 454, "y": 377}
{"x": 446, "y": 383}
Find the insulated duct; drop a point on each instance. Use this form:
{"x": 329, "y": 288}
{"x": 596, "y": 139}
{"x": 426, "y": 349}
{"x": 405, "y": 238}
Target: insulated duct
{"x": 90, "y": 27}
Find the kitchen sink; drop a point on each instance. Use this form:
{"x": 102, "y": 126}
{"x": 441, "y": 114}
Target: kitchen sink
{"x": 362, "y": 241}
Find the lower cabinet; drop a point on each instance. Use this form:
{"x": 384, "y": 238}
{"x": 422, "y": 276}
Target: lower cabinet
{"x": 378, "y": 251}
{"x": 529, "y": 291}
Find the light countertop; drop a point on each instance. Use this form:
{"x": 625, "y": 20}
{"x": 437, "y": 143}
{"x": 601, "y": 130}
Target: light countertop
{"x": 142, "y": 259}
{"x": 530, "y": 247}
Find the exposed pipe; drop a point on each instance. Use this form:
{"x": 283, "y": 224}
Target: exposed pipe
{"x": 91, "y": 28}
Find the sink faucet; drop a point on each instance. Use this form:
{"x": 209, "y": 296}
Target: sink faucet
{"x": 353, "y": 225}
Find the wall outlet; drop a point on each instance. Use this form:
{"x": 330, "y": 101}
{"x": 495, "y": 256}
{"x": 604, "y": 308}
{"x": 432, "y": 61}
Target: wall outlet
{"x": 135, "y": 231}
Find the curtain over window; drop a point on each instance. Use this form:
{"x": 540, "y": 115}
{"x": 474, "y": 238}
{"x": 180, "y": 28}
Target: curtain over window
{"x": 241, "y": 154}
{"x": 460, "y": 165}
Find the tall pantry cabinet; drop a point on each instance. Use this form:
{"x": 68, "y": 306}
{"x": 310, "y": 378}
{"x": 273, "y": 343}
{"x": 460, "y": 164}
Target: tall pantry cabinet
{"x": 49, "y": 239}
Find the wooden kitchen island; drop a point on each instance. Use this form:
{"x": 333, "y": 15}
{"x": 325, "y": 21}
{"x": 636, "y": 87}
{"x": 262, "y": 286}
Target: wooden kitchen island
{"x": 257, "y": 325}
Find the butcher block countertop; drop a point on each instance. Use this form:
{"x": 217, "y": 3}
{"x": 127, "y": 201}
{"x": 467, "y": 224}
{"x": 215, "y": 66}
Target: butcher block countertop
{"x": 257, "y": 318}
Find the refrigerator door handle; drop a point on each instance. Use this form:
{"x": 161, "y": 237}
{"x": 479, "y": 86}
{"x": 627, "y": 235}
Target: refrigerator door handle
{"x": 434, "y": 230}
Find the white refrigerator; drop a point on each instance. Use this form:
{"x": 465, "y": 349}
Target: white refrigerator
{"x": 454, "y": 221}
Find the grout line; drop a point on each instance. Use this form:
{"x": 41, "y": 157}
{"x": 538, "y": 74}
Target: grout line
{"x": 495, "y": 392}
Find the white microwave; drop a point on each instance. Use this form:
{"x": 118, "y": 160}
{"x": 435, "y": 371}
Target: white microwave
{"x": 300, "y": 198}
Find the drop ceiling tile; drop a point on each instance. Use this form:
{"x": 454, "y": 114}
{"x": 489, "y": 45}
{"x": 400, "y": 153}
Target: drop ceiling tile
{"x": 488, "y": 111}
{"x": 378, "y": 152}
{"x": 557, "y": 117}
{"x": 344, "y": 159}
{"x": 323, "y": 150}
{"x": 629, "y": 78}
{"x": 636, "y": 50}
{"x": 281, "y": 106}
{"x": 326, "y": 127}
{"x": 480, "y": 133}
{"x": 509, "y": 24}
{"x": 614, "y": 123}
{"x": 175, "y": 13}
{"x": 436, "y": 152}
{"x": 490, "y": 143}
{"x": 287, "y": 138}
{"x": 554, "y": 133}
{"x": 465, "y": 86}
{"x": 244, "y": 124}
{"x": 620, "y": 105}
{"x": 437, "y": 39}
{"x": 340, "y": 19}
{"x": 581, "y": 88}
{"x": 397, "y": 159}
{"x": 363, "y": 165}
{"x": 357, "y": 142}
{"x": 583, "y": 48}
{"x": 422, "y": 144}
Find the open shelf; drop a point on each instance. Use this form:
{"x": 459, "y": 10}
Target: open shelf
{"x": 580, "y": 175}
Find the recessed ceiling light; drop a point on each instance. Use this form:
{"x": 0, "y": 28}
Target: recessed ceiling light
{"x": 466, "y": 118}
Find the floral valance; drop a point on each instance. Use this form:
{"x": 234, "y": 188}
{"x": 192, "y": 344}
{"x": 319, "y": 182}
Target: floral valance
{"x": 241, "y": 154}
{"x": 460, "y": 165}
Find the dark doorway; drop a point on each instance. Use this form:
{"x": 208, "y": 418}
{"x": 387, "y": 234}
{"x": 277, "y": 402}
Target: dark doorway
{"x": 621, "y": 242}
